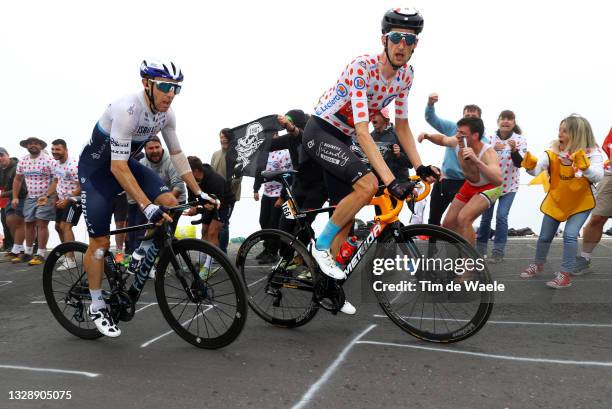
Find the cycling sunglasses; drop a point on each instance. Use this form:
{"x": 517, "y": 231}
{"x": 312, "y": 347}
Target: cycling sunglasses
{"x": 165, "y": 87}
{"x": 396, "y": 37}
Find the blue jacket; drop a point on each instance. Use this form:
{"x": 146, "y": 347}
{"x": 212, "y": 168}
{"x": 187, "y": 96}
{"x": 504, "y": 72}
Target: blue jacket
{"x": 450, "y": 165}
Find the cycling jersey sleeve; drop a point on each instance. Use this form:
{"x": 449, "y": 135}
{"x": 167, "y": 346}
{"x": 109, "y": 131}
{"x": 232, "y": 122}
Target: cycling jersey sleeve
{"x": 401, "y": 101}
{"x": 359, "y": 79}
{"x": 121, "y": 133}
{"x": 169, "y": 133}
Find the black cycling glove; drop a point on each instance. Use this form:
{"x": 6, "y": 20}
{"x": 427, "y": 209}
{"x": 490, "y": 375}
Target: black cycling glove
{"x": 426, "y": 171}
{"x": 401, "y": 190}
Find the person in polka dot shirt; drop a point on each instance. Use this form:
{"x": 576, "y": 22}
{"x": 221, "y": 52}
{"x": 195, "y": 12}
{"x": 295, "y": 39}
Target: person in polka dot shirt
{"x": 510, "y": 146}
{"x": 37, "y": 169}
{"x": 366, "y": 85}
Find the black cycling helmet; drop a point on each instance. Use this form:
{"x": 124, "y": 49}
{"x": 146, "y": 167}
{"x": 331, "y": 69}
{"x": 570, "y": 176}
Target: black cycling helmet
{"x": 402, "y": 18}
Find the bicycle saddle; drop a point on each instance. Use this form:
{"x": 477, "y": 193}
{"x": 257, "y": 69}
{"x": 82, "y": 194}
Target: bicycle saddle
{"x": 276, "y": 174}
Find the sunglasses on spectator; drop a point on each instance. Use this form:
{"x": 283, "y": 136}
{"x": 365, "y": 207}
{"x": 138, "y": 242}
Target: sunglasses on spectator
{"x": 396, "y": 37}
{"x": 166, "y": 87}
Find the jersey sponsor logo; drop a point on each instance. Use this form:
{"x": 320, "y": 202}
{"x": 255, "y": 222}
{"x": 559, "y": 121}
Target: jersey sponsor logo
{"x": 332, "y": 154}
{"x": 389, "y": 99}
{"x": 329, "y": 104}
{"x": 341, "y": 90}
{"x": 145, "y": 130}
{"x": 363, "y": 65}
{"x": 359, "y": 83}
{"x": 310, "y": 144}
{"x": 248, "y": 144}
{"x": 131, "y": 110}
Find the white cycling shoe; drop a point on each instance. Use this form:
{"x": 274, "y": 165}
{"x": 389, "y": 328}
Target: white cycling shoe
{"x": 327, "y": 264}
{"x": 104, "y": 322}
{"x": 348, "y": 308}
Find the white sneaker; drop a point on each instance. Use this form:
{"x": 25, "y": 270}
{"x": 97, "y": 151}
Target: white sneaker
{"x": 104, "y": 322}
{"x": 348, "y": 308}
{"x": 327, "y": 264}
{"x": 67, "y": 264}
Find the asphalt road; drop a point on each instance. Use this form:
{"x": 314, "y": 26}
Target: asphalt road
{"x": 542, "y": 348}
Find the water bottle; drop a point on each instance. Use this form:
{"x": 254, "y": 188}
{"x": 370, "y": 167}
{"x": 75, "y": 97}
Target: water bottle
{"x": 346, "y": 251}
{"x": 137, "y": 258}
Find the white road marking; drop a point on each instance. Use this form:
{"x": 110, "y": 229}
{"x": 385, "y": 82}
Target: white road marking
{"x": 255, "y": 282}
{"x": 546, "y": 324}
{"x": 493, "y": 356}
{"x": 52, "y": 370}
{"x": 146, "y": 344}
{"x": 5, "y": 283}
{"x": 314, "y": 388}
{"x": 146, "y": 306}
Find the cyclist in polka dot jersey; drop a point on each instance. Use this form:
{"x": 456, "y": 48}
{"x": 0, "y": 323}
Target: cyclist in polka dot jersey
{"x": 368, "y": 84}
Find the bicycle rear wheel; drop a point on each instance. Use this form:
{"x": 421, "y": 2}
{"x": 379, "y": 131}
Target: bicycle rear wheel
{"x": 424, "y": 299}
{"x": 67, "y": 289}
{"x": 279, "y": 289}
{"x": 202, "y": 297}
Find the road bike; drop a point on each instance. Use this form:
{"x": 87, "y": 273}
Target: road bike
{"x": 437, "y": 293}
{"x": 199, "y": 291}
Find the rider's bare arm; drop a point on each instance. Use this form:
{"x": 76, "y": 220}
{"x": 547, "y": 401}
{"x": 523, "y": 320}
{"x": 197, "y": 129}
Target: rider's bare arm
{"x": 441, "y": 140}
{"x": 123, "y": 174}
{"x": 371, "y": 151}
{"x": 406, "y": 140}
{"x": 179, "y": 160}
{"x": 489, "y": 166}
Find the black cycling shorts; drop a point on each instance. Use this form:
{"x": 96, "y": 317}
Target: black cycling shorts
{"x": 329, "y": 147}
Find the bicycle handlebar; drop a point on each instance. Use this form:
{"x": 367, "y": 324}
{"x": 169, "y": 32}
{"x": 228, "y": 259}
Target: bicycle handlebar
{"x": 390, "y": 212}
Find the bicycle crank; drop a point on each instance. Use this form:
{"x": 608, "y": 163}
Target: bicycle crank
{"x": 329, "y": 294}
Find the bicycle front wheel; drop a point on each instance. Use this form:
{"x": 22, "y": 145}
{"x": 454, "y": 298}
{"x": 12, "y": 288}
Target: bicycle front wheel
{"x": 439, "y": 294}
{"x": 200, "y": 294}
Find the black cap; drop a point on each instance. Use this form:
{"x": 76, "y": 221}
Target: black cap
{"x": 298, "y": 117}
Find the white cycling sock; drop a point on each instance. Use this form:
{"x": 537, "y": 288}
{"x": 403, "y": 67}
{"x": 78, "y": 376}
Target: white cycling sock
{"x": 586, "y": 255}
{"x": 97, "y": 301}
{"x": 41, "y": 252}
{"x": 29, "y": 250}
{"x": 17, "y": 248}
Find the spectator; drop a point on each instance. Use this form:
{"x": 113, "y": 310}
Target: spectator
{"x": 213, "y": 219}
{"x": 575, "y": 165}
{"x": 395, "y": 157}
{"x": 510, "y": 146}
{"x": 223, "y": 163}
{"x": 37, "y": 169}
{"x": 157, "y": 159}
{"x": 480, "y": 166}
{"x": 12, "y": 218}
{"x": 601, "y": 213}
{"x": 452, "y": 178}
{"x": 68, "y": 206}
{"x": 271, "y": 202}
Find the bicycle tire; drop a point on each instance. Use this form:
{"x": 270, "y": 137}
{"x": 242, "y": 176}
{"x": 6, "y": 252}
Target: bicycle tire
{"x": 469, "y": 326}
{"x": 50, "y": 267}
{"x": 237, "y": 313}
{"x": 281, "y": 315}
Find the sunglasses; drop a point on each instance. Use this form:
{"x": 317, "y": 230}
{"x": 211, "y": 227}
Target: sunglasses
{"x": 166, "y": 87}
{"x": 396, "y": 37}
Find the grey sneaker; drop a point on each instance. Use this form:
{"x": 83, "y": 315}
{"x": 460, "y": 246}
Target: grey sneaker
{"x": 495, "y": 259}
{"x": 583, "y": 266}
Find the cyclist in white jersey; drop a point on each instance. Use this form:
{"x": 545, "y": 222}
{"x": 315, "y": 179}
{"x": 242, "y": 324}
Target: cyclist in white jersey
{"x": 106, "y": 168}
{"x": 367, "y": 85}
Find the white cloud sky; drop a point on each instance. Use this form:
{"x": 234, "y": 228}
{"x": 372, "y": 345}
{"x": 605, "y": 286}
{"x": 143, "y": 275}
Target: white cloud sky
{"x": 63, "y": 62}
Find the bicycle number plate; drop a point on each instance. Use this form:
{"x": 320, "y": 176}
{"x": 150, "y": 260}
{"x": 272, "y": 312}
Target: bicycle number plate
{"x": 289, "y": 210}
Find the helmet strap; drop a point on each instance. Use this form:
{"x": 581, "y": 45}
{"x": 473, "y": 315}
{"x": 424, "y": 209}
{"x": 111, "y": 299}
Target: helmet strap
{"x": 395, "y": 67}
{"x": 149, "y": 93}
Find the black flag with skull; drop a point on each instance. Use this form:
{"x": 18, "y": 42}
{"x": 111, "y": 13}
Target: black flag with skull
{"x": 251, "y": 146}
